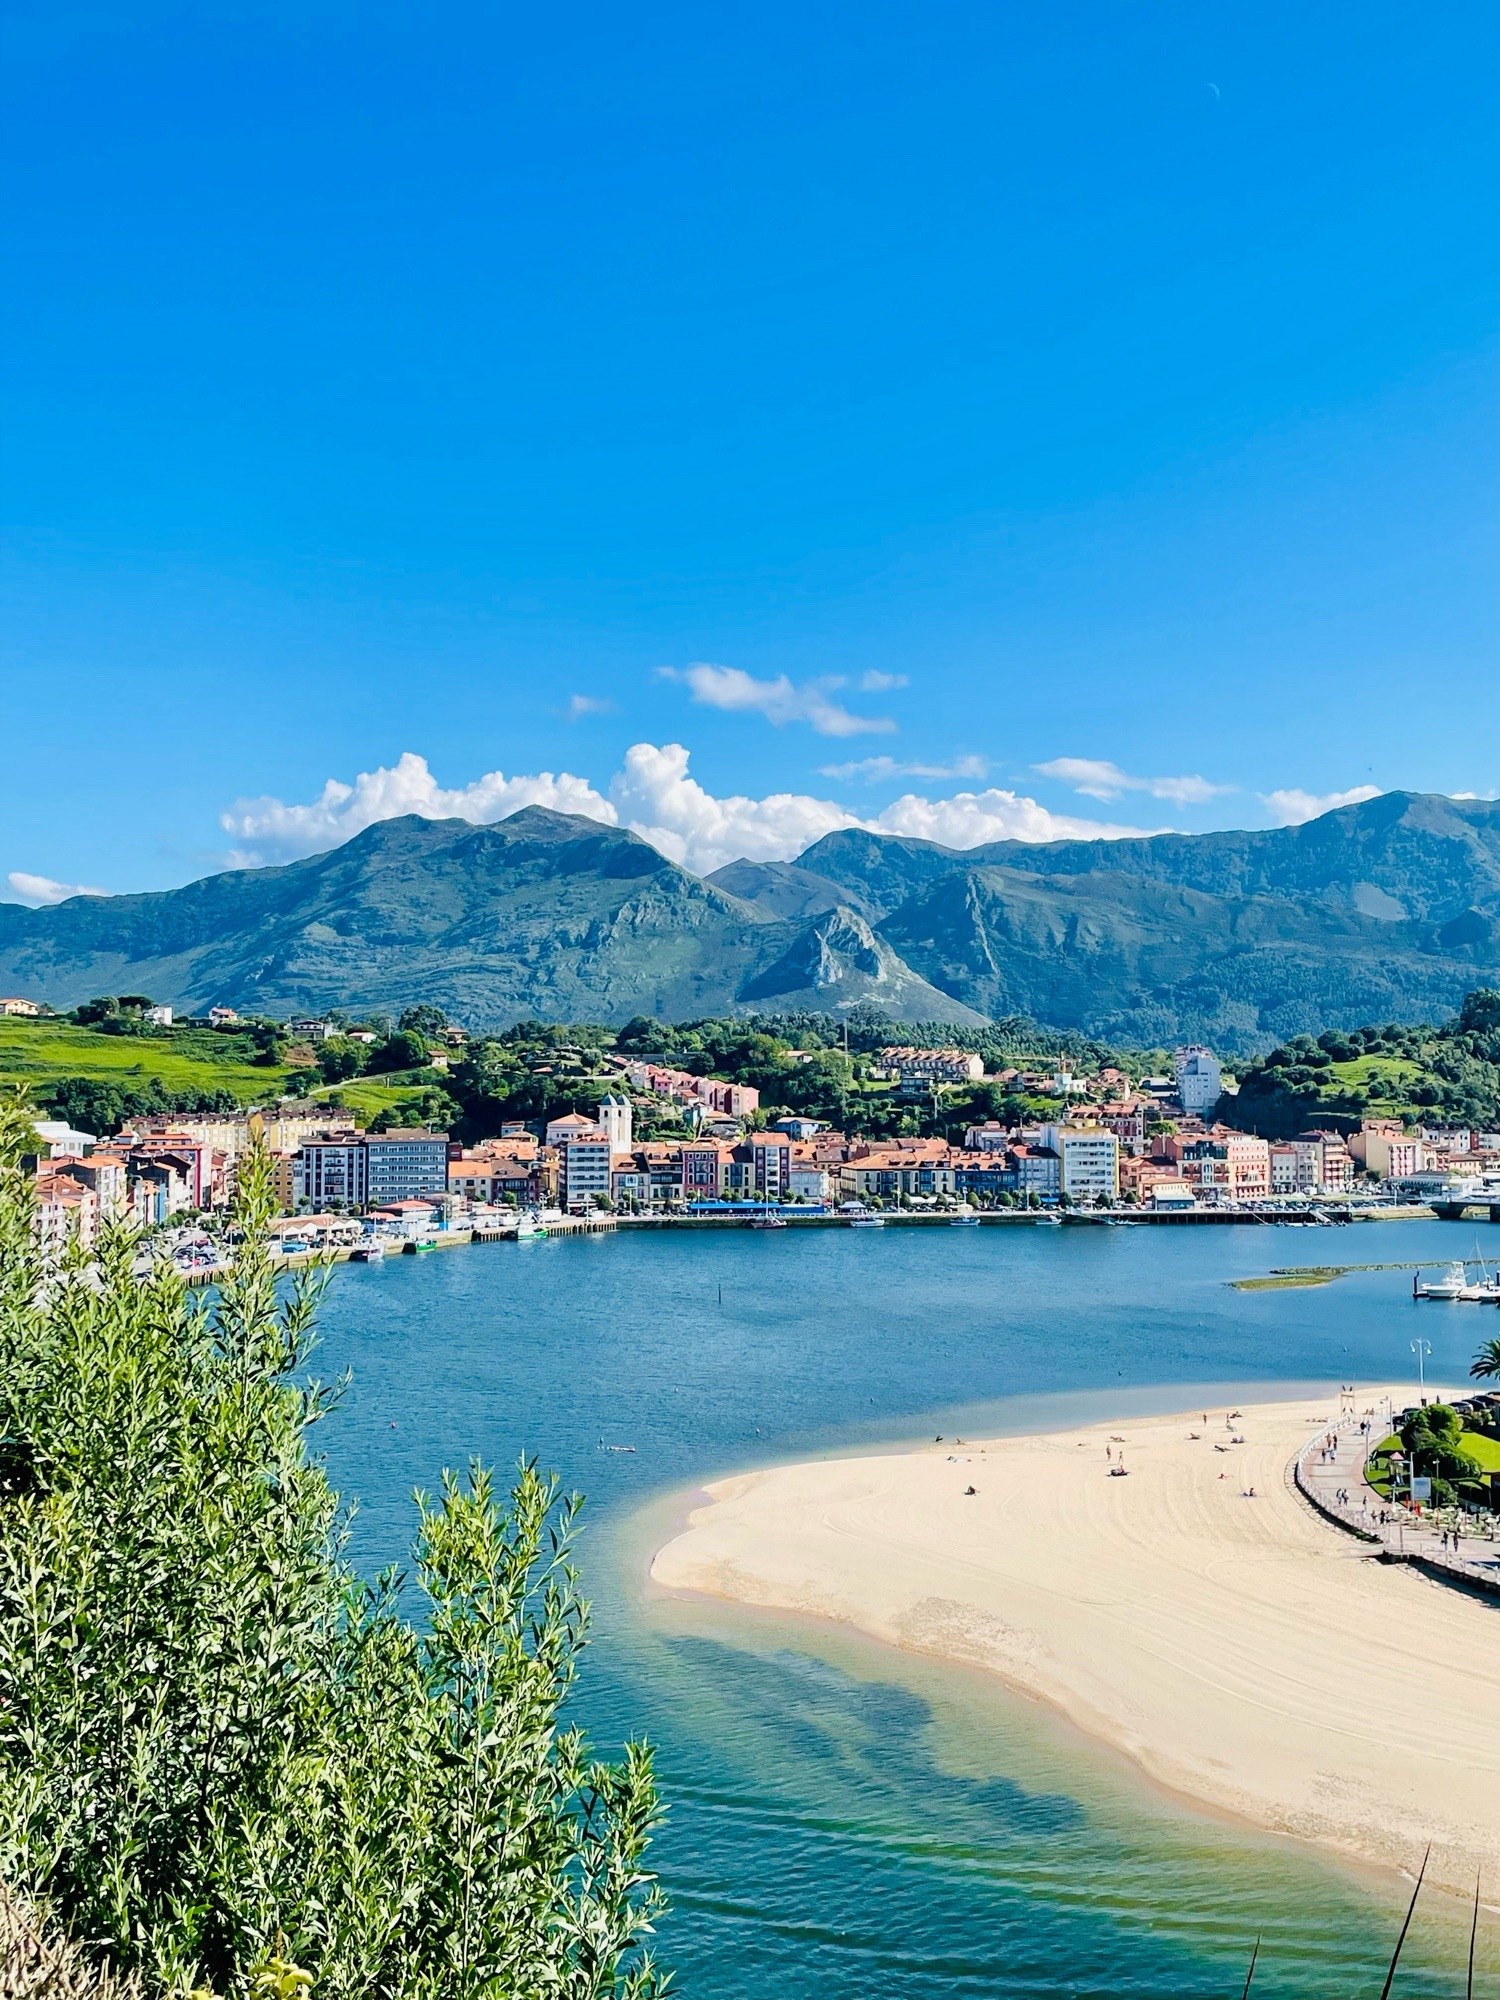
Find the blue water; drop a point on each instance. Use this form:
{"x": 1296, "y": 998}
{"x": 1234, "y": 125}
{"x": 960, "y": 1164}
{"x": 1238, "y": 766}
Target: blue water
{"x": 845, "y": 1821}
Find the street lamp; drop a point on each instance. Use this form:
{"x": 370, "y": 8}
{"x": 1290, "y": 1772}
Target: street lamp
{"x": 1421, "y": 1348}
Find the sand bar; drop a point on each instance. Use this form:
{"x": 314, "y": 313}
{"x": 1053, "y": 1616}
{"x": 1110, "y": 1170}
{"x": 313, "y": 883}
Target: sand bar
{"x": 1242, "y": 1651}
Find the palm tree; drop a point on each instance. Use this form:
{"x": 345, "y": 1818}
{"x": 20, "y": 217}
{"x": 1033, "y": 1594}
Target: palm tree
{"x": 1487, "y": 1360}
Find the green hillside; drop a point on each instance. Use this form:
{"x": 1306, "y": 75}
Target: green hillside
{"x": 65, "y": 1067}
{"x": 1448, "y": 1075}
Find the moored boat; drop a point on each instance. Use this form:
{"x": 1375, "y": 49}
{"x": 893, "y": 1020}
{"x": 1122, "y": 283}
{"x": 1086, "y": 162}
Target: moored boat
{"x": 1451, "y": 1285}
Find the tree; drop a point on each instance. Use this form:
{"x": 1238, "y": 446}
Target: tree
{"x": 406, "y": 1049}
{"x": 424, "y": 1020}
{"x": 216, "y": 1741}
{"x": 94, "y": 1011}
{"x": 339, "y": 1059}
{"x": 1486, "y": 1362}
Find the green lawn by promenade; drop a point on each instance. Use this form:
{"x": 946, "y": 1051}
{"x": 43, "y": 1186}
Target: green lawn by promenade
{"x": 40, "y": 1053}
{"x": 1484, "y": 1450}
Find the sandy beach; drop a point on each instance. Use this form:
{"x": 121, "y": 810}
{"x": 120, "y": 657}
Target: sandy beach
{"x": 1243, "y": 1652}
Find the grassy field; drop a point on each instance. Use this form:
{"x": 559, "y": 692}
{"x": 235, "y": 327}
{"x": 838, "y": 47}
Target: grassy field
{"x": 40, "y": 1053}
{"x": 1395, "y": 1079}
{"x": 369, "y": 1097}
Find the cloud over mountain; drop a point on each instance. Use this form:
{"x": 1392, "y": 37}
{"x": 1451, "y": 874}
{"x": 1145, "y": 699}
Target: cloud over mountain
{"x": 654, "y": 796}
{"x": 1294, "y": 808}
{"x": 40, "y": 892}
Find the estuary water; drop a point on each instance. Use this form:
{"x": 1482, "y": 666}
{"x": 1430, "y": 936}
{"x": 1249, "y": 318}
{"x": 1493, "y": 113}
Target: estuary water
{"x": 846, "y": 1821}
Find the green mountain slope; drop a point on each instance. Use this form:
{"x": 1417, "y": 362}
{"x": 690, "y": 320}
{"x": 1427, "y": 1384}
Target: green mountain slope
{"x": 546, "y": 915}
{"x": 1147, "y": 964}
{"x": 1390, "y": 908}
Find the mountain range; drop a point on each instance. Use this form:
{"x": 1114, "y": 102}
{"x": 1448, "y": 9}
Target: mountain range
{"x": 1385, "y": 910}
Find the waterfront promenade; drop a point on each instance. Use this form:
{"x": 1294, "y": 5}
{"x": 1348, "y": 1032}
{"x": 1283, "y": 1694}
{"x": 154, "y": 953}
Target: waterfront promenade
{"x": 1329, "y": 1471}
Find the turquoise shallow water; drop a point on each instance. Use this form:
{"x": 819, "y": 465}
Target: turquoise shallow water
{"x": 847, "y": 1822}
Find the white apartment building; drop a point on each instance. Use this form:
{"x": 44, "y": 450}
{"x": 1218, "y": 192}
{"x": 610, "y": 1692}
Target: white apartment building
{"x": 1200, "y": 1081}
{"x": 586, "y": 1163}
{"x": 1089, "y": 1159}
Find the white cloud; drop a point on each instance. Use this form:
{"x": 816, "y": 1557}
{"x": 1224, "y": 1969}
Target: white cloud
{"x": 779, "y": 701}
{"x": 276, "y": 832}
{"x": 655, "y": 797}
{"x": 588, "y": 704}
{"x": 875, "y": 682}
{"x": 1294, "y": 808}
{"x": 1097, "y": 779}
{"x": 40, "y": 892}
{"x": 969, "y": 819}
{"x": 871, "y": 769}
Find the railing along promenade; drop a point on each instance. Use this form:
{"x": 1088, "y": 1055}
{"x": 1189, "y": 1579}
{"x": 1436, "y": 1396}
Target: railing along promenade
{"x": 1323, "y": 1471}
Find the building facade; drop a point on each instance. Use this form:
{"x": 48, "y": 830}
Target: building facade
{"x": 1200, "y": 1081}
{"x": 405, "y": 1166}
{"x": 1089, "y": 1159}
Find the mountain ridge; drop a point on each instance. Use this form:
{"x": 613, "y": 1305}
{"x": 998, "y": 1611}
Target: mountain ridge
{"x": 1388, "y": 908}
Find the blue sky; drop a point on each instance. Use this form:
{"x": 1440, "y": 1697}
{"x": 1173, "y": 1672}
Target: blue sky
{"x": 964, "y": 419}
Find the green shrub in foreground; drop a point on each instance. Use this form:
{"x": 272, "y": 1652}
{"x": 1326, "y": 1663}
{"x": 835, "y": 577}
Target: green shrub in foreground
{"x": 217, "y": 1745}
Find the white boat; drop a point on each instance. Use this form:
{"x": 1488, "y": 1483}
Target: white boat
{"x": 966, "y": 1218}
{"x": 368, "y": 1253}
{"x": 528, "y": 1226}
{"x": 859, "y": 1217}
{"x": 1451, "y": 1285}
{"x": 1049, "y": 1222}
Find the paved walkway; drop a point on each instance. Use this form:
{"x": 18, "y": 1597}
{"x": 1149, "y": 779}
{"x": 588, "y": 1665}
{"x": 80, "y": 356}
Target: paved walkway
{"x": 1330, "y": 1471}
